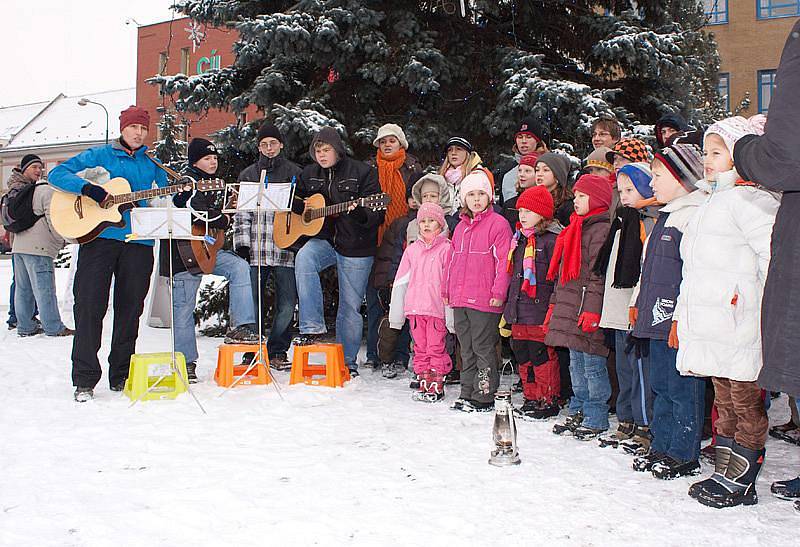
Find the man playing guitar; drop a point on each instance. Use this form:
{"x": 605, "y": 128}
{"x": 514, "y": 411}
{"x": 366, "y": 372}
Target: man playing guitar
{"x": 347, "y": 241}
{"x": 203, "y": 164}
{"x": 109, "y": 255}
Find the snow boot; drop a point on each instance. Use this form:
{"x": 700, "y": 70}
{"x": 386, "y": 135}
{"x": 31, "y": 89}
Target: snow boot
{"x": 453, "y": 377}
{"x": 670, "y": 468}
{"x": 647, "y": 461}
{"x": 414, "y": 383}
{"x": 583, "y": 433}
{"x": 243, "y": 334}
{"x": 83, "y": 394}
{"x": 708, "y": 454}
{"x": 525, "y": 412}
{"x": 570, "y": 424}
{"x": 738, "y": 486}
{"x": 468, "y": 405}
{"x": 280, "y": 361}
{"x": 786, "y": 490}
{"x": 307, "y": 339}
{"x": 623, "y": 433}
{"x": 191, "y": 372}
{"x": 787, "y": 432}
{"x": 458, "y": 404}
{"x": 431, "y": 389}
{"x": 388, "y": 371}
{"x": 639, "y": 443}
{"x": 546, "y": 411}
{"x": 722, "y": 454}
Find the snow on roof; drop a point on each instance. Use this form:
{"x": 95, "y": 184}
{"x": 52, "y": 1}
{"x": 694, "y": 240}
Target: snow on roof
{"x": 14, "y": 118}
{"x": 64, "y": 121}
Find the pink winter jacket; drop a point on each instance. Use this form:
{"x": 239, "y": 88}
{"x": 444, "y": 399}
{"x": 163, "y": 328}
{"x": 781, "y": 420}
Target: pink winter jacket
{"x": 477, "y": 267}
{"x": 417, "y": 288}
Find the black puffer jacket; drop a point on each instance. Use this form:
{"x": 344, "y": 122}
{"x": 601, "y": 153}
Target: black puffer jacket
{"x": 352, "y": 234}
{"x": 278, "y": 169}
{"x": 209, "y": 202}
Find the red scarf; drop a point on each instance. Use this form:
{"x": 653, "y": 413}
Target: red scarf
{"x": 392, "y": 183}
{"x": 568, "y": 249}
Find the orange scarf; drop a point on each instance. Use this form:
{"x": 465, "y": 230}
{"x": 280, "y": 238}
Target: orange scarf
{"x": 392, "y": 183}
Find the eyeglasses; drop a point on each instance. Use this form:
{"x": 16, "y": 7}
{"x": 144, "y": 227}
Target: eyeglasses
{"x": 601, "y": 134}
{"x": 268, "y": 145}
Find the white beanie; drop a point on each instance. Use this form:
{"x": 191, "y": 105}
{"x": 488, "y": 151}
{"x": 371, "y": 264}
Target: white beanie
{"x": 477, "y": 180}
{"x": 391, "y": 129}
{"x": 732, "y": 129}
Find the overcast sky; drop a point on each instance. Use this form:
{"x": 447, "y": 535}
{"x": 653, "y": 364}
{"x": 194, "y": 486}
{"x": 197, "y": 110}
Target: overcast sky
{"x": 70, "y": 46}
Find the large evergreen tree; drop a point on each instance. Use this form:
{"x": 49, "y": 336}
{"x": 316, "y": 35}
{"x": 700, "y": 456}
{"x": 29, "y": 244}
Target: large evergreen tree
{"x": 355, "y": 65}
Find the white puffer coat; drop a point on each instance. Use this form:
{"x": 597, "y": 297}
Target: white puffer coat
{"x": 725, "y": 251}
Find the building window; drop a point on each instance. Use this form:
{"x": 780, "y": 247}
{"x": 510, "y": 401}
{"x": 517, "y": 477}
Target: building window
{"x": 724, "y": 89}
{"x": 716, "y": 11}
{"x": 185, "y": 61}
{"x": 766, "y": 84}
{"x": 770, "y": 9}
{"x": 162, "y": 62}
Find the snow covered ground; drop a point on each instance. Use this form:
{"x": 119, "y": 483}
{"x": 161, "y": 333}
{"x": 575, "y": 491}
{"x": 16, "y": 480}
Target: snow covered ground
{"x": 363, "y": 465}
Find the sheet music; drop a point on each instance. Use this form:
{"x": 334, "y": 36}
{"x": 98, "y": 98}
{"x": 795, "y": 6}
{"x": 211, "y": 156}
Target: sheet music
{"x": 153, "y": 223}
{"x": 275, "y": 196}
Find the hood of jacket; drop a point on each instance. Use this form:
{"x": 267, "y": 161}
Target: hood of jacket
{"x": 676, "y": 121}
{"x": 445, "y": 191}
{"x": 330, "y": 136}
{"x": 17, "y": 180}
{"x": 689, "y": 200}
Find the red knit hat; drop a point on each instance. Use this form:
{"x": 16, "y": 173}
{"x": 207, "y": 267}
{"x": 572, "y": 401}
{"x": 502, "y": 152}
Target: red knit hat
{"x": 134, "y": 114}
{"x": 537, "y": 200}
{"x": 597, "y": 188}
{"x": 529, "y": 159}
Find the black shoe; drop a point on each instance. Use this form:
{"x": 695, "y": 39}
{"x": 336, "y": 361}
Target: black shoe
{"x": 517, "y": 388}
{"x": 374, "y": 365}
{"x": 279, "y": 361}
{"x": 388, "y": 371}
{"x": 353, "y": 372}
{"x": 307, "y": 339}
{"x": 12, "y": 326}
{"x": 787, "y": 489}
{"x": 458, "y": 404}
{"x": 647, "y": 461}
{"x": 546, "y": 411}
{"x": 474, "y": 406}
{"x": 119, "y": 386}
{"x": 191, "y": 372}
{"x": 38, "y": 330}
{"x": 738, "y": 486}
{"x": 583, "y": 433}
{"x": 243, "y": 334}
{"x": 83, "y": 394}
{"x": 453, "y": 377}
{"x": 787, "y": 432}
{"x": 670, "y": 468}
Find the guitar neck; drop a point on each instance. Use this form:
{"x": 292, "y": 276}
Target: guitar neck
{"x": 131, "y": 197}
{"x": 331, "y": 209}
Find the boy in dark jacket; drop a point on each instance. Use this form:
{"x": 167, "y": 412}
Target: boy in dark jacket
{"x": 348, "y": 241}
{"x": 678, "y": 407}
{"x": 528, "y": 300}
{"x": 574, "y": 317}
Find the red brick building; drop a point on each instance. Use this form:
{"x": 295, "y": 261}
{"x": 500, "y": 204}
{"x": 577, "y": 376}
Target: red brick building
{"x": 182, "y": 46}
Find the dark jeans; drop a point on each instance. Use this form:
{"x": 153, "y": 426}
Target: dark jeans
{"x": 285, "y": 302}
{"x": 678, "y": 407}
{"x": 374, "y": 315}
{"x": 635, "y": 399}
{"x": 130, "y": 264}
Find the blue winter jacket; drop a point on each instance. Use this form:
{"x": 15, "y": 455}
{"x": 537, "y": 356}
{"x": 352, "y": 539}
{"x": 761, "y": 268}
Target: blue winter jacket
{"x": 138, "y": 170}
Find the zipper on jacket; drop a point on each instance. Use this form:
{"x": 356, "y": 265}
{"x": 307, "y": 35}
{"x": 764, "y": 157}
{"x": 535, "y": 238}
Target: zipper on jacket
{"x": 330, "y": 193}
{"x": 583, "y": 296}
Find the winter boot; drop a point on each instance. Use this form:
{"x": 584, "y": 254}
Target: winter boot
{"x": 431, "y": 388}
{"x": 525, "y": 412}
{"x": 279, "y": 361}
{"x": 546, "y": 410}
{"x": 414, "y": 383}
{"x": 388, "y": 371}
{"x": 583, "y": 433}
{"x": 647, "y": 461}
{"x": 670, "y": 468}
{"x": 243, "y": 334}
{"x": 639, "y": 443}
{"x": 786, "y": 490}
{"x": 191, "y": 372}
{"x": 467, "y": 405}
{"x": 570, "y": 424}
{"x": 83, "y": 394}
{"x": 307, "y": 339}
{"x": 708, "y": 454}
{"x": 453, "y": 377}
{"x": 623, "y": 433}
{"x": 738, "y": 486}
{"x": 722, "y": 454}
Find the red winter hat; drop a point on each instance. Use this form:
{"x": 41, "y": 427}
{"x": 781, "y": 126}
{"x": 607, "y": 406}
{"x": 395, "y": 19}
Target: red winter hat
{"x": 597, "y": 188}
{"x": 529, "y": 159}
{"x": 134, "y": 114}
{"x": 537, "y": 200}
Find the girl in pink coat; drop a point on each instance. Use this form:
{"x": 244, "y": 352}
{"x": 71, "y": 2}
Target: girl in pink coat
{"x": 417, "y": 296}
{"x": 476, "y": 283}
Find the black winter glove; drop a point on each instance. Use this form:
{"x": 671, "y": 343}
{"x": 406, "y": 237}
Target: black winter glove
{"x": 180, "y": 200}
{"x": 359, "y": 214}
{"x": 244, "y": 252}
{"x": 94, "y": 191}
{"x": 641, "y": 346}
{"x": 385, "y": 298}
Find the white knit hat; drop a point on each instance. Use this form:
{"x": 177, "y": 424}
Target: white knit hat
{"x": 477, "y": 180}
{"x": 391, "y": 129}
{"x": 732, "y": 129}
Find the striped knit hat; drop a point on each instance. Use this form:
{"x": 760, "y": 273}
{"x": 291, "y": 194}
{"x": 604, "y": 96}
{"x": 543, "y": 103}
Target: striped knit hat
{"x": 685, "y": 162}
{"x": 461, "y": 142}
{"x": 632, "y": 150}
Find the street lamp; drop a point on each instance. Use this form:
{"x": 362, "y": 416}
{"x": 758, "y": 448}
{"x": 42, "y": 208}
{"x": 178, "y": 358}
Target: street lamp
{"x": 84, "y": 101}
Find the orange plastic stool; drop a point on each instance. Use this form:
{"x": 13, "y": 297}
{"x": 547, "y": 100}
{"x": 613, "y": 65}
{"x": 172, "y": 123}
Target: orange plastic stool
{"x": 335, "y": 373}
{"x": 227, "y": 372}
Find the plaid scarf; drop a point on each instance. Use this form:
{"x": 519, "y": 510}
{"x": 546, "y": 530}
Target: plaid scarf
{"x": 528, "y": 259}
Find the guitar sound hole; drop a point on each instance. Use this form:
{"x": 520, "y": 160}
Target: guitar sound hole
{"x": 307, "y": 217}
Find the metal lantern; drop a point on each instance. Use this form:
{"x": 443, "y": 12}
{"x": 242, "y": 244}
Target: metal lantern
{"x": 504, "y": 431}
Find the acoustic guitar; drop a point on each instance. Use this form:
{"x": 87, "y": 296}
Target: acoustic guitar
{"x": 290, "y": 227}
{"x": 200, "y": 256}
{"x": 82, "y": 219}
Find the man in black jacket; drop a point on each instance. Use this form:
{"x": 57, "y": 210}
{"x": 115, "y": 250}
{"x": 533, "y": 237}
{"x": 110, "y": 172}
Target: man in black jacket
{"x": 203, "y": 164}
{"x": 347, "y": 241}
{"x": 274, "y": 261}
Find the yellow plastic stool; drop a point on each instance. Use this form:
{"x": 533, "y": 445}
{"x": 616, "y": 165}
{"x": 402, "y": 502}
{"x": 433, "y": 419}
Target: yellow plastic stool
{"x": 147, "y": 368}
{"x": 334, "y": 370}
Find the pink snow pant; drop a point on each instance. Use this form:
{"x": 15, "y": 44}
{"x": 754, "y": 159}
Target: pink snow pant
{"x": 429, "y": 351}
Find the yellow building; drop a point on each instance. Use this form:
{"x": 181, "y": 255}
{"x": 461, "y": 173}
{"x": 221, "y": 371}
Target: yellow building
{"x": 750, "y": 35}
